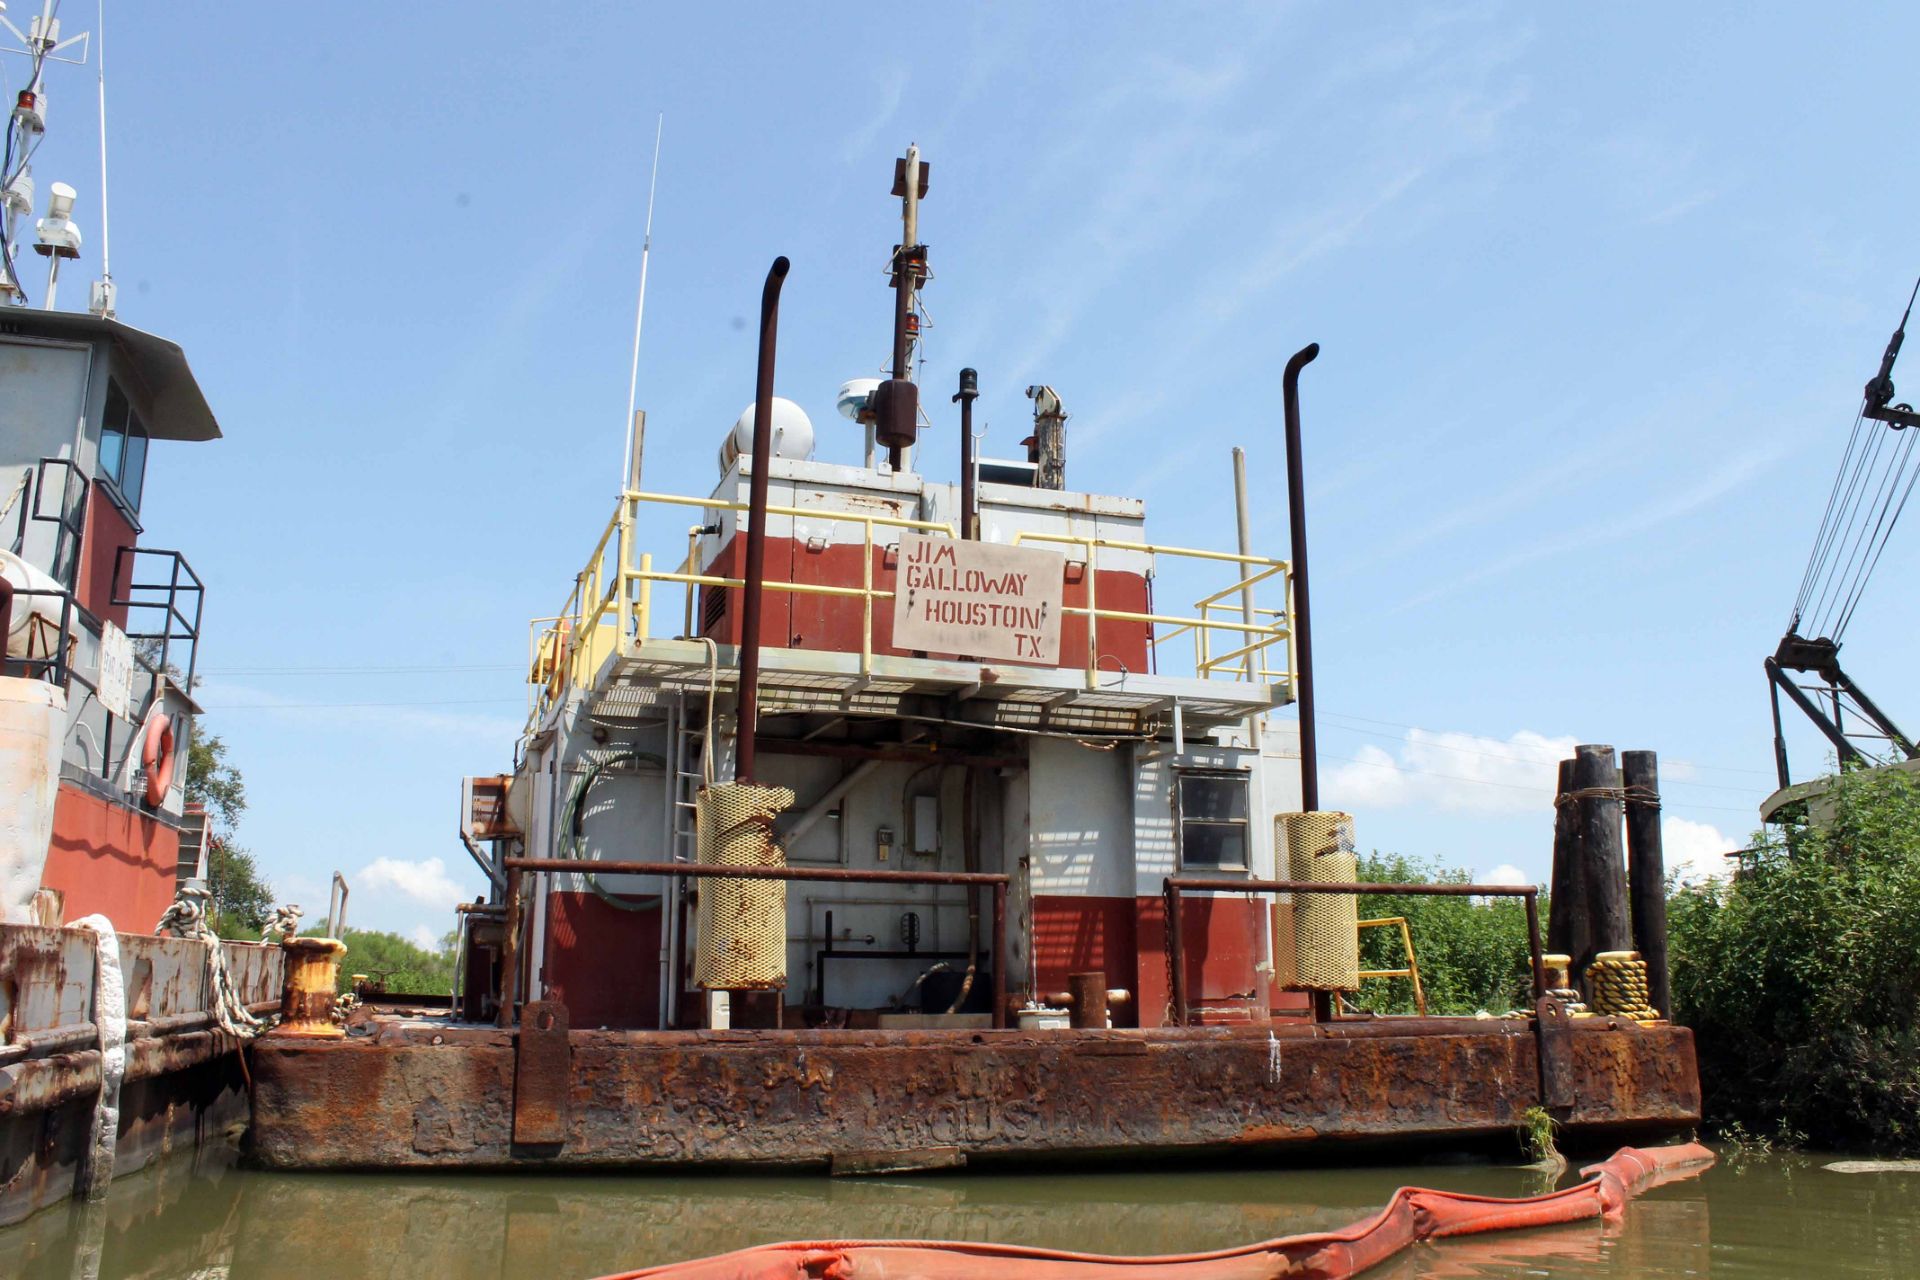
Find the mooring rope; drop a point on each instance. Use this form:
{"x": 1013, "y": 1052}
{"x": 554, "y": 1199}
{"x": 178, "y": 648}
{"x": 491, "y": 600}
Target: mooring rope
{"x": 110, "y": 1018}
{"x": 1633, "y": 795}
{"x": 187, "y": 918}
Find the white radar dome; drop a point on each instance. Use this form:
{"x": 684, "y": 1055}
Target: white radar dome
{"x": 852, "y": 400}
{"x": 792, "y": 433}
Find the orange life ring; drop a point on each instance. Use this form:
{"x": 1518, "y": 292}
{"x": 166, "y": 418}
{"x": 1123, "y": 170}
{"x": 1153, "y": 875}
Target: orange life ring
{"x": 156, "y": 757}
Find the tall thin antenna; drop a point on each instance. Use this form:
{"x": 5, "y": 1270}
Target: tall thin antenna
{"x": 630, "y": 464}
{"x": 102, "y": 301}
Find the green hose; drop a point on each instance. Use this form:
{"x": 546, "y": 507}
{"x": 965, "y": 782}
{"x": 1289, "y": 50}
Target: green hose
{"x": 572, "y": 820}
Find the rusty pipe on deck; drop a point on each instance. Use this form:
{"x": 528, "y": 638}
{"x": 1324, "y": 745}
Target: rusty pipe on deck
{"x": 756, "y": 567}
{"x": 1176, "y": 955}
{"x": 701, "y": 871}
{"x": 510, "y": 951}
{"x": 1302, "y": 613}
{"x": 902, "y": 308}
{"x": 969, "y": 854}
{"x": 6, "y": 618}
{"x": 969, "y": 465}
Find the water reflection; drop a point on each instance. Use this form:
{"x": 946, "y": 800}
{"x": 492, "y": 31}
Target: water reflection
{"x": 1772, "y": 1218}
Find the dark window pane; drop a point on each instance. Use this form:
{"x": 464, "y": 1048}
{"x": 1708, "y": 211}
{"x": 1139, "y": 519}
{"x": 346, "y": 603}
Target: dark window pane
{"x": 113, "y": 432}
{"x": 1213, "y": 844}
{"x": 1213, "y": 798}
{"x": 112, "y": 446}
{"x": 133, "y": 475}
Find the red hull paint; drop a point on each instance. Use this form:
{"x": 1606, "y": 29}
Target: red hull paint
{"x": 603, "y": 962}
{"x": 108, "y": 859}
{"x": 107, "y": 531}
{"x": 1127, "y": 938}
{"x": 1078, "y": 935}
{"x": 790, "y": 620}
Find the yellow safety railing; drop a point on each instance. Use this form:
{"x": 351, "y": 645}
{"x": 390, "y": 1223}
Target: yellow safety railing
{"x": 609, "y": 609}
{"x": 1411, "y": 972}
{"x": 1257, "y": 638}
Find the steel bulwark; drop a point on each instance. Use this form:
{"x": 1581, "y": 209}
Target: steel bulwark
{"x": 1176, "y": 947}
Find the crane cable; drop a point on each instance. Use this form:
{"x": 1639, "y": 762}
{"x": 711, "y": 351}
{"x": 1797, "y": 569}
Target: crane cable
{"x": 1870, "y": 492}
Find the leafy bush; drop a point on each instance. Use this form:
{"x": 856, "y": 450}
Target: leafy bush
{"x": 1801, "y": 977}
{"x": 242, "y": 899}
{"x": 1472, "y": 951}
{"x": 395, "y": 964}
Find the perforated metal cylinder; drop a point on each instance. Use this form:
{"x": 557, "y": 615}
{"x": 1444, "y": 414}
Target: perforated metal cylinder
{"x": 742, "y": 924}
{"x": 1326, "y": 926}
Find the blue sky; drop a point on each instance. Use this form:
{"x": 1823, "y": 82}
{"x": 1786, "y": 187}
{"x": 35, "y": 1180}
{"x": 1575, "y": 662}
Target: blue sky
{"x": 1596, "y": 291}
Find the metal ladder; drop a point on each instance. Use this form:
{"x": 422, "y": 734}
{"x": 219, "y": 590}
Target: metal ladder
{"x": 687, "y": 734}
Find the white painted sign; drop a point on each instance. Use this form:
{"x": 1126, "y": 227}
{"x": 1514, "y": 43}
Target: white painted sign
{"x": 116, "y": 669}
{"x": 980, "y": 599}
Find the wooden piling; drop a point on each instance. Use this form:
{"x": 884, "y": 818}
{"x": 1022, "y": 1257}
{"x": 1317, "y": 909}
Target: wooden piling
{"x": 1567, "y": 929}
{"x": 1647, "y": 872}
{"x": 1596, "y": 783}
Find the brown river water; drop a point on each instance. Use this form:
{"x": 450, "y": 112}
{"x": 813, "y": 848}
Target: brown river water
{"x": 1759, "y": 1216}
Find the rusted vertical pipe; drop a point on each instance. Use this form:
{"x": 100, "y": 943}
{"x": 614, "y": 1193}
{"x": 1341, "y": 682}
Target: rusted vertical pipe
{"x": 902, "y": 298}
{"x": 1538, "y": 961}
{"x": 510, "y": 953}
{"x": 756, "y": 570}
{"x": 1302, "y": 613}
{"x": 1176, "y": 957}
{"x": 6, "y": 619}
{"x": 1000, "y": 953}
{"x": 969, "y": 499}
{"x": 1088, "y": 1007}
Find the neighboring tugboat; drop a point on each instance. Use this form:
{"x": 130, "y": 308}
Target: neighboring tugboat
{"x": 96, "y": 712}
{"x": 908, "y": 823}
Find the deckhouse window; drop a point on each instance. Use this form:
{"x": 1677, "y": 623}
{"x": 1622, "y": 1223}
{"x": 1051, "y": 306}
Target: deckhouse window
{"x": 123, "y": 447}
{"x": 1212, "y": 811}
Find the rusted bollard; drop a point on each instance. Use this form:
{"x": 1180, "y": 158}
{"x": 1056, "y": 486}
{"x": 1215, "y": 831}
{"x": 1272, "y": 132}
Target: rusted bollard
{"x": 1089, "y": 1000}
{"x": 306, "y": 1007}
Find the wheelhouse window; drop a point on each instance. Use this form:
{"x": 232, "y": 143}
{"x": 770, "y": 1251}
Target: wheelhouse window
{"x": 1211, "y": 806}
{"x": 123, "y": 447}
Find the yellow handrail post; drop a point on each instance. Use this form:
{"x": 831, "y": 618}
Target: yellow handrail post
{"x": 1411, "y": 972}
{"x": 866, "y": 599}
{"x": 693, "y": 591}
{"x": 1093, "y": 619}
{"x": 1413, "y": 969}
{"x": 644, "y": 623}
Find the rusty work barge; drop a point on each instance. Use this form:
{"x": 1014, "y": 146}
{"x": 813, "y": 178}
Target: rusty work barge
{"x": 422, "y": 1094}
{"x": 908, "y": 824}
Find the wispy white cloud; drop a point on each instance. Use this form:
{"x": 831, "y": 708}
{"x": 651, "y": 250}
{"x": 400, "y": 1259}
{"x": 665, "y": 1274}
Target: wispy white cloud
{"x": 1449, "y": 106}
{"x": 1695, "y": 851}
{"x": 1703, "y": 492}
{"x": 424, "y": 938}
{"x": 1505, "y": 873}
{"x": 1455, "y": 772}
{"x": 892, "y": 88}
{"x": 424, "y": 881}
{"x": 397, "y": 715}
{"x": 1650, "y": 180}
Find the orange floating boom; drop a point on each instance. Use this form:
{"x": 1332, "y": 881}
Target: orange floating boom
{"x": 1412, "y": 1215}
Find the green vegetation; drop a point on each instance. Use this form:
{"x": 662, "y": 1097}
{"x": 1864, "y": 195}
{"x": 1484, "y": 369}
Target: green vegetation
{"x": 392, "y": 963}
{"x": 1801, "y": 977}
{"x": 1537, "y": 1129}
{"x": 1472, "y": 952}
{"x": 242, "y": 899}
